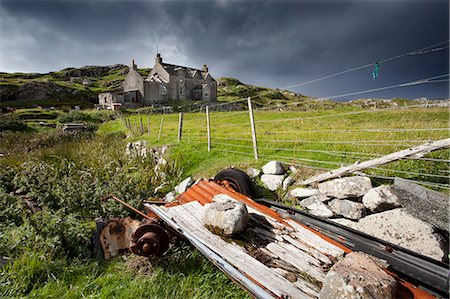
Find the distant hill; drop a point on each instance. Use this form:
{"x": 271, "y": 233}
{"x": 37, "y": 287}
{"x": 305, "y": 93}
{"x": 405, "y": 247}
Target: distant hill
{"x": 70, "y": 86}
{"x": 80, "y": 86}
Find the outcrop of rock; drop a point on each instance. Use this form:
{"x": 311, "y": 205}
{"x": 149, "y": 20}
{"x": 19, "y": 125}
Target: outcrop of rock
{"x": 380, "y": 198}
{"x": 400, "y": 228}
{"x": 347, "y": 208}
{"x": 226, "y": 218}
{"x": 428, "y": 205}
{"x": 272, "y": 181}
{"x": 273, "y": 167}
{"x": 91, "y": 71}
{"x": 349, "y": 187}
{"x": 358, "y": 276}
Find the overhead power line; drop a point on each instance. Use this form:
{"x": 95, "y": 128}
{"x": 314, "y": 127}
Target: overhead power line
{"x": 425, "y": 50}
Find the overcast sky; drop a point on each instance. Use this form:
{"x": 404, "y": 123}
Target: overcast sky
{"x": 266, "y": 43}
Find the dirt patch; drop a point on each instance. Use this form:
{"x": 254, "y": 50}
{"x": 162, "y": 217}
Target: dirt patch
{"x": 140, "y": 265}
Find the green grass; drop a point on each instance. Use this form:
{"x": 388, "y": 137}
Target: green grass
{"x": 315, "y": 138}
{"x": 181, "y": 273}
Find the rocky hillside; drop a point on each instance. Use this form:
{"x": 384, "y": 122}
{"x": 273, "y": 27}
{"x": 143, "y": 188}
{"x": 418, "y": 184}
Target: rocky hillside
{"x": 81, "y": 86}
{"x": 70, "y": 86}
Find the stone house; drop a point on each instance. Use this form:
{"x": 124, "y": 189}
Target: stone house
{"x": 168, "y": 82}
{"x": 110, "y": 100}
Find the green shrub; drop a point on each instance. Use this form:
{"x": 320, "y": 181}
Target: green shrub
{"x": 75, "y": 116}
{"x": 10, "y": 122}
{"x": 48, "y": 233}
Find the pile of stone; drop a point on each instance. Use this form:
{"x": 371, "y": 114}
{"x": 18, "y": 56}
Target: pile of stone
{"x": 274, "y": 175}
{"x": 405, "y": 214}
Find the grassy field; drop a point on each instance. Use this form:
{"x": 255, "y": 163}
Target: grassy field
{"x": 323, "y": 139}
{"x": 68, "y": 174}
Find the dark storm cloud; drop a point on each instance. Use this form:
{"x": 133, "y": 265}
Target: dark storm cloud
{"x": 268, "y": 43}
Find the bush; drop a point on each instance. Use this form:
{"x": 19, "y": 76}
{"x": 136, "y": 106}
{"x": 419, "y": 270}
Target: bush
{"x": 75, "y": 116}
{"x": 10, "y": 122}
{"x": 48, "y": 233}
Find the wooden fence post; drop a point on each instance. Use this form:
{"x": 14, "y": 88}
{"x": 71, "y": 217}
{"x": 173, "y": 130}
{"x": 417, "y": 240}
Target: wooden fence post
{"x": 252, "y": 124}
{"x": 148, "y": 126}
{"x": 208, "y": 129}
{"x": 160, "y": 128}
{"x": 180, "y": 126}
{"x": 142, "y": 127}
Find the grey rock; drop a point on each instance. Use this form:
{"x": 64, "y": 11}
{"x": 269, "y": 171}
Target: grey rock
{"x": 253, "y": 172}
{"x": 273, "y": 167}
{"x": 380, "y": 198}
{"x": 272, "y": 181}
{"x": 358, "y": 276}
{"x": 347, "y": 208}
{"x": 320, "y": 197}
{"x": 287, "y": 182}
{"x": 428, "y": 205}
{"x": 171, "y": 196}
{"x": 349, "y": 187}
{"x": 186, "y": 183}
{"x": 316, "y": 207}
{"x": 304, "y": 192}
{"x": 400, "y": 228}
{"x": 226, "y": 218}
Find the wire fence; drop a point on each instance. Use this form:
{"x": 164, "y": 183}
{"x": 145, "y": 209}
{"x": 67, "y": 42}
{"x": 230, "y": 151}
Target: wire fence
{"x": 304, "y": 134}
{"x": 320, "y": 141}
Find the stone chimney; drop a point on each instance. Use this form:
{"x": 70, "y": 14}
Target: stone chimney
{"x": 133, "y": 66}
{"x": 205, "y": 68}
{"x": 158, "y": 59}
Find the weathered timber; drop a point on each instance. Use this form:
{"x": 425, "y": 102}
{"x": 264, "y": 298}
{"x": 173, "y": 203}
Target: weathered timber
{"x": 254, "y": 288}
{"x": 314, "y": 252}
{"x": 313, "y": 240}
{"x": 189, "y": 216}
{"x": 298, "y": 259}
{"x": 414, "y": 152}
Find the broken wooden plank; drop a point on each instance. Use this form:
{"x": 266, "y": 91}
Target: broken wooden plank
{"x": 304, "y": 285}
{"x": 315, "y": 241}
{"x": 297, "y": 258}
{"x": 314, "y": 252}
{"x": 414, "y": 152}
{"x": 189, "y": 216}
{"x": 254, "y": 288}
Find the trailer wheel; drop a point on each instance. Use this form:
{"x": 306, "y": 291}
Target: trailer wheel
{"x": 238, "y": 180}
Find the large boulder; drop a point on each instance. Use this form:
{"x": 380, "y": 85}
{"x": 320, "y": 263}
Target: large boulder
{"x": 349, "y": 187}
{"x": 272, "y": 181}
{"x": 273, "y": 167}
{"x": 358, "y": 276}
{"x": 428, "y": 205}
{"x": 380, "y": 198}
{"x": 400, "y": 228}
{"x": 347, "y": 208}
{"x": 303, "y": 192}
{"x": 226, "y": 217}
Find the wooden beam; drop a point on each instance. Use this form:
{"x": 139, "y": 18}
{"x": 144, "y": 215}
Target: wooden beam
{"x": 414, "y": 152}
